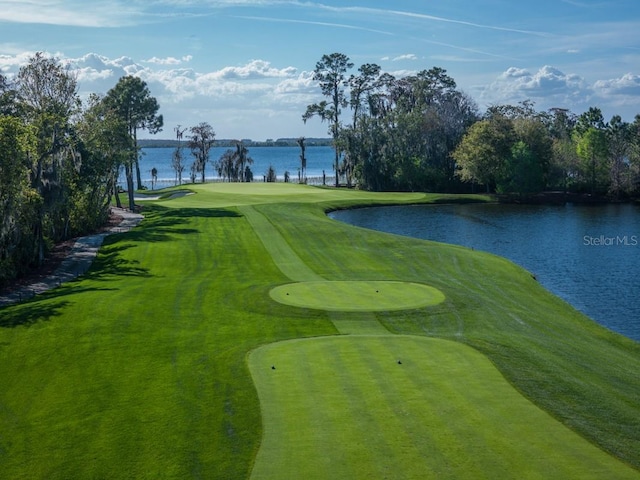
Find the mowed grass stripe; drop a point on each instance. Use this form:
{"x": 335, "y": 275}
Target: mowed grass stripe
{"x": 281, "y": 253}
{"x": 343, "y": 407}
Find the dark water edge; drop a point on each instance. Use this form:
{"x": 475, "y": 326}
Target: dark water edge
{"x": 587, "y": 255}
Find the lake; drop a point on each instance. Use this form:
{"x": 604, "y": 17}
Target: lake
{"x": 282, "y": 158}
{"x": 587, "y": 255}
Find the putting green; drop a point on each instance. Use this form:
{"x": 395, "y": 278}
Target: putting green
{"x": 344, "y": 408}
{"x": 357, "y": 296}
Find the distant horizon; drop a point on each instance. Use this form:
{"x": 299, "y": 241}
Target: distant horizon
{"x": 252, "y": 140}
{"x": 231, "y": 63}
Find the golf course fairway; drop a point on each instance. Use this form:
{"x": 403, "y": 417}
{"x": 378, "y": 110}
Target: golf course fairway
{"x": 360, "y": 407}
{"x": 157, "y": 363}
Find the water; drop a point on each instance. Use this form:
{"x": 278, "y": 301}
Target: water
{"x": 587, "y": 255}
{"x": 282, "y": 158}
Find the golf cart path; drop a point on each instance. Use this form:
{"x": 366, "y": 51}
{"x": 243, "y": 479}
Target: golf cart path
{"x": 77, "y": 262}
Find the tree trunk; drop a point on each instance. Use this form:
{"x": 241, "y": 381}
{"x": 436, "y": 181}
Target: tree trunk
{"x": 129, "y": 174}
{"x": 337, "y": 166}
{"x": 138, "y": 177}
{"x": 117, "y": 197}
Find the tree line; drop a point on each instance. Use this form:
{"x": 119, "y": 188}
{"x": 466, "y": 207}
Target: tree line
{"x": 421, "y": 133}
{"x": 60, "y": 158}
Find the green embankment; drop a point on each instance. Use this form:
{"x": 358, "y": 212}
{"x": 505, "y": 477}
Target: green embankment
{"x": 140, "y": 369}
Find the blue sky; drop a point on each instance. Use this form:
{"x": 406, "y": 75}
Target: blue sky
{"x": 245, "y": 66}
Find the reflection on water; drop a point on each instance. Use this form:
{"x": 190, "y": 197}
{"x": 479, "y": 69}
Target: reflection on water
{"x": 587, "y": 255}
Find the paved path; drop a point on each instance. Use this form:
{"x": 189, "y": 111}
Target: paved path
{"x": 78, "y": 262}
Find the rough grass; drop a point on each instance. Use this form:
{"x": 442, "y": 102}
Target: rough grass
{"x": 138, "y": 370}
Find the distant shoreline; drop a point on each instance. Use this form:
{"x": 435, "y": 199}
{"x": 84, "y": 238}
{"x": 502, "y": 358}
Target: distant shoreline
{"x": 280, "y": 142}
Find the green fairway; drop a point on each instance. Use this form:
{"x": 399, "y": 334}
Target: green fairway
{"x": 361, "y": 407}
{"x": 142, "y": 368}
{"x": 357, "y": 296}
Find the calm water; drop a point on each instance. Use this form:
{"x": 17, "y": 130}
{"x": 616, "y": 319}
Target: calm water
{"x": 282, "y": 158}
{"x": 587, "y": 255}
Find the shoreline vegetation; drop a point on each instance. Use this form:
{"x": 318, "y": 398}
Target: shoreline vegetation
{"x": 62, "y": 156}
{"x": 164, "y": 384}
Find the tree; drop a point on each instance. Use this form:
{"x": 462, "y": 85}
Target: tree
{"x": 535, "y": 135}
{"x": 564, "y": 161}
{"x": 105, "y": 146}
{"x": 8, "y": 102}
{"x": 404, "y": 130}
{"x": 330, "y": 72}
{"x": 619, "y": 136}
{"x": 271, "y": 176}
{"x": 200, "y": 142}
{"x": 634, "y": 155}
{"x": 133, "y": 103}
{"x": 154, "y": 177}
{"x": 361, "y": 89}
{"x": 523, "y": 172}
{"x": 18, "y": 200}
{"x": 177, "y": 159}
{"x": 484, "y": 151}
{"x": 591, "y": 147}
{"x": 242, "y": 161}
{"x": 48, "y": 98}
{"x": 303, "y": 161}
{"x": 592, "y": 118}
{"x": 226, "y": 165}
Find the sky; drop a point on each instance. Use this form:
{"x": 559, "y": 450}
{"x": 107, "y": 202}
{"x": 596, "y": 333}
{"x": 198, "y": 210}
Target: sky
{"x": 246, "y": 66}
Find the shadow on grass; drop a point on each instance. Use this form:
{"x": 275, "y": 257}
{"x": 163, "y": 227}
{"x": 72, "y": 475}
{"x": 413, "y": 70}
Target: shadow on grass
{"x": 110, "y": 263}
{"x": 163, "y": 224}
{"x": 28, "y": 314}
{"x": 174, "y": 213}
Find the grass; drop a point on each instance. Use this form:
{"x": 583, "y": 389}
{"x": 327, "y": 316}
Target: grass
{"x": 368, "y": 296}
{"x": 139, "y": 369}
{"x": 357, "y": 407}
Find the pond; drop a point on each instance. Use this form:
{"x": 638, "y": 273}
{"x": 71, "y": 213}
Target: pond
{"x": 587, "y": 255}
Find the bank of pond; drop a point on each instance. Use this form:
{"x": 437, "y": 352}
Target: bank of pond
{"x": 589, "y": 255}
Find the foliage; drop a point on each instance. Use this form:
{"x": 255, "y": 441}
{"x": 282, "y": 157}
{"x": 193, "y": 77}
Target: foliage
{"x": 19, "y": 201}
{"x": 484, "y": 153}
{"x": 132, "y": 102}
{"x": 419, "y": 133}
{"x": 177, "y": 158}
{"x": 59, "y": 162}
{"x": 591, "y": 147}
{"x": 233, "y": 164}
{"x": 330, "y": 73}
{"x": 200, "y": 142}
{"x": 271, "y": 175}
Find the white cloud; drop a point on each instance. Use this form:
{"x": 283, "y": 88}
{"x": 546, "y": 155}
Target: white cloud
{"x": 548, "y": 84}
{"x": 627, "y": 85}
{"x": 407, "y": 56}
{"x": 78, "y": 13}
{"x": 169, "y": 60}
{"x": 255, "y": 69}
